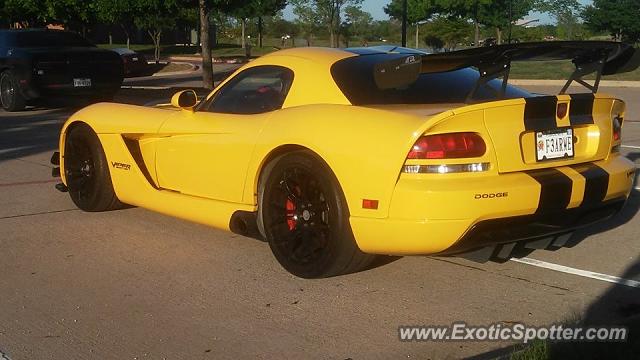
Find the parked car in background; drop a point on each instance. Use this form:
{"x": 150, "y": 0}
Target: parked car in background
{"x": 38, "y": 64}
{"x": 134, "y": 63}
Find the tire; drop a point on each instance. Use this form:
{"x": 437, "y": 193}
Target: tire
{"x": 10, "y": 96}
{"x": 87, "y": 172}
{"x": 303, "y": 216}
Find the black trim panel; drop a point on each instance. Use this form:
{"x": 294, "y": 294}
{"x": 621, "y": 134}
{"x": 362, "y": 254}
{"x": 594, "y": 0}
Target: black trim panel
{"x": 581, "y": 109}
{"x": 134, "y": 148}
{"x": 540, "y": 113}
{"x": 597, "y": 183}
{"x": 532, "y": 227}
{"x": 555, "y": 191}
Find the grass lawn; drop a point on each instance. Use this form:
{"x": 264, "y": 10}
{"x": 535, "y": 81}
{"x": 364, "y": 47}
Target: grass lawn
{"x": 547, "y": 70}
{"x": 557, "y": 70}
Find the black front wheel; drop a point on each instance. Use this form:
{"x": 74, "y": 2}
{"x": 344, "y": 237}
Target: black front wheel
{"x": 87, "y": 172}
{"x": 10, "y": 96}
{"x": 303, "y": 215}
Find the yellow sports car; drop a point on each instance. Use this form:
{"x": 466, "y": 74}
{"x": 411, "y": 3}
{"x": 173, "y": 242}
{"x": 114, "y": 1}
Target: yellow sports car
{"x": 333, "y": 156}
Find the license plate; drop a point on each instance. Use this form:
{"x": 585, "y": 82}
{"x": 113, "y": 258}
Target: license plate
{"x": 81, "y": 82}
{"x": 134, "y": 59}
{"x": 554, "y": 144}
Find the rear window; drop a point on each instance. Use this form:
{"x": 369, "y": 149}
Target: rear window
{"x": 28, "y": 39}
{"x": 355, "y": 77}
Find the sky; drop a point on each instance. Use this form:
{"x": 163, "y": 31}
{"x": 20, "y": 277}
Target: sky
{"x": 375, "y": 8}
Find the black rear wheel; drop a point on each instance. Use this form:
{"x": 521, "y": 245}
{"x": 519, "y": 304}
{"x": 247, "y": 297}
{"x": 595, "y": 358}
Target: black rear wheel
{"x": 87, "y": 172}
{"x": 10, "y": 96}
{"x": 303, "y": 215}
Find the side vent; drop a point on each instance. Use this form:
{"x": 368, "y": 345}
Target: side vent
{"x": 134, "y": 149}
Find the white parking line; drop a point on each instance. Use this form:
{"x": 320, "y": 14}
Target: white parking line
{"x": 630, "y": 146}
{"x": 574, "y": 271}
{"x": 135, "y": 87}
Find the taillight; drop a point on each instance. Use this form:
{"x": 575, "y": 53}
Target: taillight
{"x": 617, "y": 128}
{"x": 617, "y": 118}
{"x": 448, "y": 146}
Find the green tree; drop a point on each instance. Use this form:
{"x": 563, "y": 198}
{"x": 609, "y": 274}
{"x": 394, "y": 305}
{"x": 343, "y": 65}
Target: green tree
{"x": 205, "y": 9}
{"x": 357, "y": 22}
{"x": 257, "y": 9}
{"x": 499, "y": 13}
{"x": 566, "y": 13}
{"x": 116, "y": 12}
{"x": 279, "y": 27}
{"x": 326, "y": 12}
{"x": 467, "y": 9}
{"x": 73, "y": 14}
{"x": 306, "y": 19}
{"x": 26, "y": 13}
{"x": 155, "y": 16}
{"x": 617, "y": 17}
{"x": 434, "y": 42}
{"x": 417, "y": 10}
{"x": 452, "y": 32}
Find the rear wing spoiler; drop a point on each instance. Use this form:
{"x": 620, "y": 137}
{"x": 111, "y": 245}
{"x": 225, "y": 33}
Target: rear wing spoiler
{"x": 599, "y": 57}
{"x": 588, "y": 57}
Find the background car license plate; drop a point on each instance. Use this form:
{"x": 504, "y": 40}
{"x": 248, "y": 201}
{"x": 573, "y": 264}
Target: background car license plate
{"x": 81, "y": 82}
{"x": 554, "y": 144}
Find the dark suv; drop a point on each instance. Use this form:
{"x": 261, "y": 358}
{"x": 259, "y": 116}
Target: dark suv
{"x": 54, "y": 64}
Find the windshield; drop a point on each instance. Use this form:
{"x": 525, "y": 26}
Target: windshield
{"x": 29, "y": 39}
{"x": 355, "y": 77}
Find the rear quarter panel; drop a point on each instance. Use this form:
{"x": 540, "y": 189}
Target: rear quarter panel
{"x": 365, "y": 148}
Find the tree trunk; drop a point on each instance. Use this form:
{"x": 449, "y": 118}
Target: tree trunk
{"x": 207, "y": 63}
{"x": 332, "y": 36}
{"x": 417, "y": 35}
{"x": 337, "y": 16}
{"x": 155, "y": 36}
{"x": 259, "y": 31}
{"x": 476, "y": 26}
{"x": 243, "y": 42}
{"x": 126, "y": 33}
{"x": 498, "y": 36}
{"x": 110, "y": 39}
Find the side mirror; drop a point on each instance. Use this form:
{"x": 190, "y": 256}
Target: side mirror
{"x": 185, "y": 99}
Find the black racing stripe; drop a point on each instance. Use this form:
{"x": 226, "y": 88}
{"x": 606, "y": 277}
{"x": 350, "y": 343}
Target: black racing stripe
{"x": 555, "y": 192}
{"x": 597, "y": 183}
{"x": 134, "y": 148}
{"x": 581, "y": 109}
{"x": 540, "y": 113}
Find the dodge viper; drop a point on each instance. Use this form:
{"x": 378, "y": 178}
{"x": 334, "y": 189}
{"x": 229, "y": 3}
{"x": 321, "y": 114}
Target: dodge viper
{"x": 333, "y": 156}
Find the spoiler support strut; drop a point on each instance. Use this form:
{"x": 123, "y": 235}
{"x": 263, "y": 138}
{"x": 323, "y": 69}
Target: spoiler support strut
{"x": 583, "y": 70}
{"x": 489, "y": 73}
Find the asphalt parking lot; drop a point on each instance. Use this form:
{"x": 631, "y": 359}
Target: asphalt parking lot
{"x": 133, "y": 284}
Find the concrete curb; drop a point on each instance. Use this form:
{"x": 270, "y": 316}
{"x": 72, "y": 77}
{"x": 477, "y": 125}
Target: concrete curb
{"x": 603, "y": 83}
{"x": 197, "y": 59}
{"x": 185, "y": 58}
{"x": 192, "y": 69}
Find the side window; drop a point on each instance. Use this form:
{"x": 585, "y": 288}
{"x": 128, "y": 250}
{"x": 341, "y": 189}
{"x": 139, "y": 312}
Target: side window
{"x": 256, "y": 90}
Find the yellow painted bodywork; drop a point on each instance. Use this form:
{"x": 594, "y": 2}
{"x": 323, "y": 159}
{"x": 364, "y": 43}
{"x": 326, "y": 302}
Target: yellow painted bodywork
{"x": 205, "y": 166}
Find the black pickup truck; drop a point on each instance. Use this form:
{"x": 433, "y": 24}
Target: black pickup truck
{"x": 52, "y": 64}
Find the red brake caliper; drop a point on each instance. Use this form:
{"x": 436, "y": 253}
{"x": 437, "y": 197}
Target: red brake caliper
{"x": 291, "y": 212}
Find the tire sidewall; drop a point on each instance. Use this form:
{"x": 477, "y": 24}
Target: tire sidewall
{"x": 102, "y": 188}
{"x": 8, "y": 76}
{"x": 340, "y": 231}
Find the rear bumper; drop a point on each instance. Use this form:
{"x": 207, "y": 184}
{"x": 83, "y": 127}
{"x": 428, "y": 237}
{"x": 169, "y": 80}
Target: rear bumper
{"x": 61, "y": 91}
{"x": 436, "y": 214}
{"x": 60, "y": 85}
